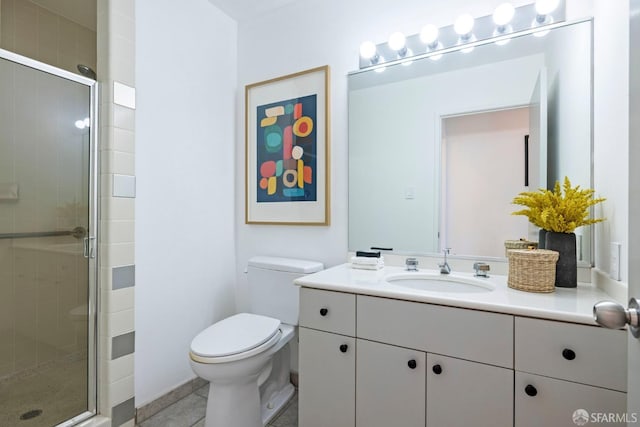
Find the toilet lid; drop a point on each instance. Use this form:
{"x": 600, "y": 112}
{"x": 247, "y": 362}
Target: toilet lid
{"x": 235, "y": 334}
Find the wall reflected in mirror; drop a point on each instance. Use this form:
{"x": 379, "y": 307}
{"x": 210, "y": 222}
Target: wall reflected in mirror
{"x": 438, "y": 149}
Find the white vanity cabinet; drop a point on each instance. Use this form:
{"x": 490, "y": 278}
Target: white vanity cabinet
{"x": 564, "y": 367}
{"x": 464, "y": 393}
{"x": 326, "y": 359}
{"x": 467, "y": 378}
{"x": 327, "y": 364}
{"x": 543, "y": 401}
{"x": 370, "y": 361}
{"x": 390, "y": 386}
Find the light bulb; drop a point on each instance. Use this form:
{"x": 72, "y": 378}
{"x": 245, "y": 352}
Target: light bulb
{"x": 80, "y": 124}
{"x": 464, "y": 24}
{"x": 503, "y": 14}
{"x": 429, "y": 34}
{"x": 545, "y": 7}
{"x": 87, "y": 122}
{"x": 367, "y": 50}
{"x": 397, "y": 41}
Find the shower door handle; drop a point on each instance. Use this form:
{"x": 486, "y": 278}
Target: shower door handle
{"x": 89, "y": 250}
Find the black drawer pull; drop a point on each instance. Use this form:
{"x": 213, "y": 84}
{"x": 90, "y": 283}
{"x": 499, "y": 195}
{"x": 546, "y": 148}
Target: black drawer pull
{"x": 412, "y": 364}
{"x": 530, "y": 390}
{"x": 344, "y": 348}
{"x": 323, "y": 312}
{"x": 437, "y": 369}
{"x": 568, "y": 354}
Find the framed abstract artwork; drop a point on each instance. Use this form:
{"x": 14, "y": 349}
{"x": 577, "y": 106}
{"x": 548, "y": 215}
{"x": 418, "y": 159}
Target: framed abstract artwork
{"x": 287, "y": 149}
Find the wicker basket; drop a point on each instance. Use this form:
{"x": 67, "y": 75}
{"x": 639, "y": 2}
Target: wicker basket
{"x": 518, "y": 244}
{"x": 532, "y": 270}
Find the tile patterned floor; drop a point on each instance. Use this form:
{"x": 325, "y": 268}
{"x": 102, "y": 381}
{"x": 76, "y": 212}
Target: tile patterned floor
{"x": 189, "y": 412}
{"x": 58, "y": 390}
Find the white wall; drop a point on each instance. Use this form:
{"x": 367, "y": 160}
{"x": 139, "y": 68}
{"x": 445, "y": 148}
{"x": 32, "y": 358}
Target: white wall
{"x": 309, "y": 33}
{"x": 611, "y": 128}
{"x": 306, "y": 34}
{"x": 186, "y": 86}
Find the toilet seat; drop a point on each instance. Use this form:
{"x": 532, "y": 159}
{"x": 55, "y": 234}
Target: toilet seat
{"x": 234, "y": 338}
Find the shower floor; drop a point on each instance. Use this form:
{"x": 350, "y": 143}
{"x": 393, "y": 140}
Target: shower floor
{"x": 58, "y": 389}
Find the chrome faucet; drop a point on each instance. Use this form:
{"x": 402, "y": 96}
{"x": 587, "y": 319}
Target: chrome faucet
{"x": 412, "y": 264}
{"x": 444, "y": 266}
{"x": 481, "y": 269}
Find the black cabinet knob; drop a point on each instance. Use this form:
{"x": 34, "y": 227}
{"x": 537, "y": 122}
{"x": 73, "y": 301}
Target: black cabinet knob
{"x": 530, "y": 390}
{"x": 344, "y": 348}
{"x": 412, "y": 364}
{"x": 323, "y": 311}
{"x": 437, "y": 369}
{"x": 568, "y": 354}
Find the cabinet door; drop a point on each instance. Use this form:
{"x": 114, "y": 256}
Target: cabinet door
{"x": 463, "y": 393}
{"x": 542, "y": 401}
{"x": 326, "y": 379}
{"x": 390, "y": 389}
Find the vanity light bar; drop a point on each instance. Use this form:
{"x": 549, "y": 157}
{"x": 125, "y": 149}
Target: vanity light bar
{"x": 525, "y": 21}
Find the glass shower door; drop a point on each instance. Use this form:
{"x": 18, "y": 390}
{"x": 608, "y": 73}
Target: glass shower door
{"x": 47, "y": 275}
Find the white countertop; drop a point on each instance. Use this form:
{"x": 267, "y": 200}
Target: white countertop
{"x": 565, "y": 304}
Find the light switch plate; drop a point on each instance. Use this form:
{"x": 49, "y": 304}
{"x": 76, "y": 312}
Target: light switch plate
{"x": 614, "y": 263}
{"x": 410, "y": 193}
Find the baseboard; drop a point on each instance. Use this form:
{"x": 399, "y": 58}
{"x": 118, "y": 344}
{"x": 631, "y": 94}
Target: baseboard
{"x": 150, "y": 409}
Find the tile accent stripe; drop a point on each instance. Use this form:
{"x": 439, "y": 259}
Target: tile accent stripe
{"x": 123, "y": 412}
{"x": 123, "y": 277}
{"x": 124, "y": 186}
{"x": 123, "y": 345}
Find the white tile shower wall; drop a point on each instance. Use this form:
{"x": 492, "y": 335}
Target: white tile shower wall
{"x": 33, "y": 31}
{"x": 115, "y": 63}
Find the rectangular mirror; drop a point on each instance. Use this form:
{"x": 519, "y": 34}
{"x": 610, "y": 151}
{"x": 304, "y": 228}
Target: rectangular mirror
{"x": 439, "y": 148}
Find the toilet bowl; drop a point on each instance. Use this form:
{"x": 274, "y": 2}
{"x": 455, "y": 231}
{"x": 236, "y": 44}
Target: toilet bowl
{"x": 236, "y": 357}
{"x": 246, "y": 357}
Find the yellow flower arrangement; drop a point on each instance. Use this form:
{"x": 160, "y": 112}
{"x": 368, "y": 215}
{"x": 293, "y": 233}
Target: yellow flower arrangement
{"x": 558, "y": 212}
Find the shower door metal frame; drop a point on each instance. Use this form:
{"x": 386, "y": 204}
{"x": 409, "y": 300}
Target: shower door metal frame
{"x": 92, "y": 258}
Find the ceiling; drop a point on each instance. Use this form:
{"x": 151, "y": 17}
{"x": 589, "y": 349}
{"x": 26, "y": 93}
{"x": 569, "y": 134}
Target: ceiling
{"x": 81, "y": 12}
{"x": 243, "y": 10}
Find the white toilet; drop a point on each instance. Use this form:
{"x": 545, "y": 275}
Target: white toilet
{"x": 246, "y": 357}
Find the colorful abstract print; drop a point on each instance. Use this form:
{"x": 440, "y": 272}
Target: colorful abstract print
{"x": 286, "y": 150}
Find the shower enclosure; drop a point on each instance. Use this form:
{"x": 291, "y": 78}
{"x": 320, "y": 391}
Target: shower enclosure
{"x": 47, "y": 244}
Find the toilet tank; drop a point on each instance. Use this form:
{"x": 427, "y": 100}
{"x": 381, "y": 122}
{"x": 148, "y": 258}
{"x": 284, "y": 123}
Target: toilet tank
{"x": 271, "y": 289}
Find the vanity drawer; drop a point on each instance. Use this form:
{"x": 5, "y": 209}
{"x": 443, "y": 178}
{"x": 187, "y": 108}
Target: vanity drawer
{"x": 466, "y": 334}
{"x": 581, "y": 353}
{"x": 328, "y": 311}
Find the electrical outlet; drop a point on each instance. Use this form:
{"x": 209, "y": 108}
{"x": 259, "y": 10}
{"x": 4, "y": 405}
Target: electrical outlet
{"x": 614, "y": 263}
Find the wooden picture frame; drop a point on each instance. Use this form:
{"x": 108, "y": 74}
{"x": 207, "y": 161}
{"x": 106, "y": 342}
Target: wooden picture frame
{"x": 287, "y": 149}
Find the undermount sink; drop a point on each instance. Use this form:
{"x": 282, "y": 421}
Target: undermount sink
{"x": 439, "y": 282}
